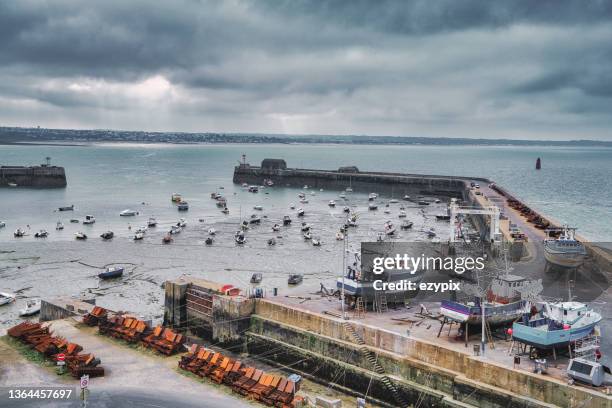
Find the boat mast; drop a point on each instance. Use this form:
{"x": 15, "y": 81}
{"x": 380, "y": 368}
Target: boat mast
{"x": 344, "y": 249}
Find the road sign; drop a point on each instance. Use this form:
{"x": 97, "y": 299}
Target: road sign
{"x": 61, "y": 357}
{"x": 84, "y": 381}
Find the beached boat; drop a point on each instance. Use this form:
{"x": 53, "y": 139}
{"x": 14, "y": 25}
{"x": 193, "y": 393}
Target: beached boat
{"x": 402, "y": 214}
{"x": 271, "y": 242}
{"x": 300, "y": 212}
{"x": 2, "y": 224}
{"x": 142, "y": 229}
{"x": 19, "y": 233}
{"x": 89, "y": 219}
{"x": 406, "y": 225}
{"x": 74, "y": 221}
{"x": 351, "y": 221}
{"x": 175, "y": 229}
{"x": 346, "y": 209}
{"x": 176, "y": 197}
{"x": 208, "y": 241}
{"x": 275, "y": 228}
{"x": 31, "y": 308}
{"x": 6, "y": 298}
{"x": 387, "y": 211}
{"x": 423, "y": 202}
{"x": 253, "y": 189}
{"x": 372, "y": 206}
{"x": 59, "y": 226}
{"x": 305, "y": 227}
{"x": 372, "y": 196}
{"x": 80, "y": 235}
{"x": 389, "y": 228}
{"x": 255, "y": 219}
{"x": 240, "y": 238}
{"x": 139, "y": 235}
{"x": 257, "y": 277}
{"x": 152, "y": 222}
{"x": 66, "y": 208}
{"x": 393, "y": 201}
{"x": 406, "y": 197}
{"x": 565, "y": 251}
{"x": 111, "y": 272}
{"x": 41, "y": 234}
{"x": 107, "y": 235}
{"x": 128, "y": 213}
{"x": 212, "y": 231}
{"x": 183, "y": 206}
{"x": 286, "y": 220}
{"x": 11, "y": 184}
{"x": 556, "y": 324}
{"x": 258, "y": 207}
{"x": 181, "y": 223}
{"x": 292, "y": 206}
{"x": 225, "y": 210}
{"x": 316, "y": 242}
{"x": 304, "y": 201}
{"x": 339, "y": 236}
{"x": 294, "y": 279}
{"x": 342, "y": 196}
{"x": 331, "y": 203}
{"x": 221, "y": 202}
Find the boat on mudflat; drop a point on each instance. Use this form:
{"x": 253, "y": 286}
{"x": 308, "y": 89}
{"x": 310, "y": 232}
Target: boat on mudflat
{"x": 111, "y": 272}
{"x": 67, "y": 208}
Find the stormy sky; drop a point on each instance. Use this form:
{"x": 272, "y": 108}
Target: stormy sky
{"x": 513, "y": 69}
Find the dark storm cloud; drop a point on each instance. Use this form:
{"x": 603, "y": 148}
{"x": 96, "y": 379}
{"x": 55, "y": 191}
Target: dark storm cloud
{"x": 443, "y": 68}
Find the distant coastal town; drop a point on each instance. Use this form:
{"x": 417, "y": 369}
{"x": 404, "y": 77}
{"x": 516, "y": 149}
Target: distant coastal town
{"x": 21, "y": 135}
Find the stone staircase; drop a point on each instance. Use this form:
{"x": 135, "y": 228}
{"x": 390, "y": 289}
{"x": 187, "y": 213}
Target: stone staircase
{"x": 371, "y": 357}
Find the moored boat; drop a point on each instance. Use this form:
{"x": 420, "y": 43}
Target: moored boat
{"x": 208, "y": 241}
{"x": 139, "y": 235}
{"x": 89, "y": 219}
{"x": 152, "y": 222}
{"x": 183, "y": 206}
{"x": 372, "y": 196}
{"x": 300, "y": 212}
{"x": 372, "y": 206}
{"x": 31, "y": 308}
{"x": 19, "y": 233}
{"x": 389, "y": 228}
{"x": 80, "y": 236}
{"x": 257, "y": 277}
{"x": 111, "y": 272}
{"x": 41, "y": 234}
{"x": 406, "y": 225}
{"x": 107, "y": 235}
{"x": 2, "y": 224}
{"x": 6, "y": 298}
{"x": 176, "y": 197}
{"x": 332, "y": 203}
{"x": 59, "y": 226}
{"x": 295, "y": 278}
{"x": 66, "y": 208}
{"x": 128, "y": 213}
{"x": 286, "y": 220}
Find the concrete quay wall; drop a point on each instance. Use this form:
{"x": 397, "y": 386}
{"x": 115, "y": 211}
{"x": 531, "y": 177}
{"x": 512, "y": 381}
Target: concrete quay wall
{"x": 396, "y": 184}
{"x": 406, "y": 357}
{"x": 37, "y": 176}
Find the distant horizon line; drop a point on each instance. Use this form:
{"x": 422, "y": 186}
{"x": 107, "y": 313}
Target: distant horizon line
{"x": 306, "y": 137}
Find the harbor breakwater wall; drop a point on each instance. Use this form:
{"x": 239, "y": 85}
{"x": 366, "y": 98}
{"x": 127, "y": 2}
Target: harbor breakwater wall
{"x": 35, "y": 176}
{"x": 395, "y": 184}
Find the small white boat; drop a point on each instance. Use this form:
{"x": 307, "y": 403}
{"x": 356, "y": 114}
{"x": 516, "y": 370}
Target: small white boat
{"x": 182, "y": 223}
{"x": 406, "y": 197}
{"x": 176, "y": 197}
{"x": 372, "y": 206}
{"x": 437, "y": 201}
{"x": 6, "y": 298}
{"x": 2, "y": 224}
{"x": 212, "y": 231}
{"x": 19, "y": 233}
{"x": 183, "y": 206}
{"x": 276, "y": 228}
{"x": 142, "y": 229}
{"x": 393, "y": 201}
{"x": 352, "y": 220}
{"x": 175, "y": 229}
{"x": 300, "y": 212}
{"x": 346, "y": 209}
{"x": 32, "y": 307}
{"x": 41, "y": 234}
{"x": 372, "y": 196}
{"x": 258, "y": 208}
{"x": 305, "y": 227}
{"x": 387, "y": 211}
{"x": 80, "y": 235}
{"x": 316, "y": 242}
{"x": 389, "y": 228}
{"x": 128, "y": 213}
{"x": 305, "y": 187}
{"x": 59, "y": 226}
{"x": 349, "y": 190}
{"x": 12, "y": 184}
{"x": 406, "y": 225}
{"x": 89, "y": 219}
{"x": 139, "y": 236}
{"x": 339, "y": 236}
{"x": 152, "y": 222}
{"x": 245, "y": 185}
{"x": 307, "y": 235}
{"x": 332, "y": 203}
{"x": 402, "y": 214}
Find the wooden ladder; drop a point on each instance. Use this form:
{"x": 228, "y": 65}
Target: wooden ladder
{"x": 489, "y": 335}
{"x": 359, "y": 309}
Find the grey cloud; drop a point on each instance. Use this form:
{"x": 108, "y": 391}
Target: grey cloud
{"x": 444, "y": 68}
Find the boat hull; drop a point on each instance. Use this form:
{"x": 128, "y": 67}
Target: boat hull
{"x": 547, "y": 339}
{"x": 495, "y": 314}
{"x": 564, "y": 260}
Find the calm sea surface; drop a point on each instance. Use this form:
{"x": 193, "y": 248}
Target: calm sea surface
{"x": 574, "y": 185}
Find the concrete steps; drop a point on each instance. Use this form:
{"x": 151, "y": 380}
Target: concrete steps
{"x": 371, "y": 357}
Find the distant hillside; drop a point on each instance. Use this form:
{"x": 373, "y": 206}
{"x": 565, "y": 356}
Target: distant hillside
{"x": 9, "y": 135}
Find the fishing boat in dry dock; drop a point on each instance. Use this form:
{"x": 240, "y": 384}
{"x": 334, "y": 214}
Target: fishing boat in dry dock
{"x": 556, "y": 324}
{"x": 565, "y": 250}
